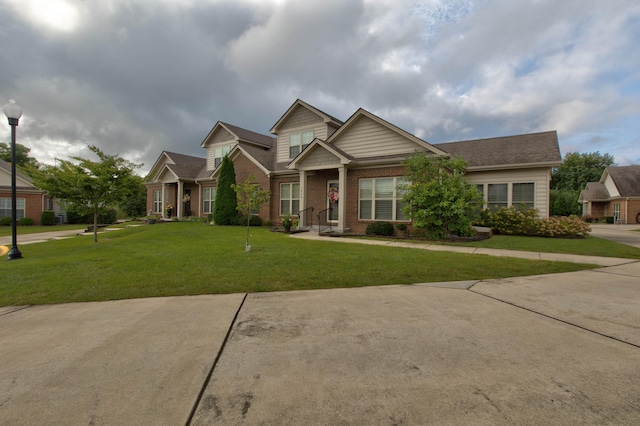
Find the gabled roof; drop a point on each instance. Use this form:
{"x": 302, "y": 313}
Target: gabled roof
{"x": 315, "y": 144}
{"x": 595, "y": 191}
{"x": 186, "y": 167}
{"x": 22, "y": 181}
{"x": 240, "y": 135}
{"x": 325, "y": 117}
{"x": 262, "y": 158}
{"x": 626, "y": 179}
{"x": 534, "y": 149}
{"x": 361, "y": 112}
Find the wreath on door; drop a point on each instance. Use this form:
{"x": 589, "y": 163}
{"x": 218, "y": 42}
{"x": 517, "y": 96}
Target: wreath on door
{"x": 334, "y": 195}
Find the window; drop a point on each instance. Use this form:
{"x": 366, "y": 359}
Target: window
{"x": 157, "y": 201}
{"x": 208, "y": 199}
{"x": 289, "y": 198}
{"x": 5, "y": 207}
{"x": 381, "y": 199}
{"x": 298, "y": 142}
{"x": 523, "y": 193}
{"x": 219, "y": 153}
{"x": 616, "y": 212}
{"x": 497, "y": 195}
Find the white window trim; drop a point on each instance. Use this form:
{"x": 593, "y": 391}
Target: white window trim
{"x": 290, "y": 199}
{"x": 211, "y": 199}
{"x": 301, "y": 146}
{"x": 396, "y": 198}
{"x": 510, "y": 202}
{"x": 157, "y": 204}
{"x": 21, "y": 207}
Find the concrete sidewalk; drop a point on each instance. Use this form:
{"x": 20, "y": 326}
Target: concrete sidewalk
{"x": 554, "y": 349}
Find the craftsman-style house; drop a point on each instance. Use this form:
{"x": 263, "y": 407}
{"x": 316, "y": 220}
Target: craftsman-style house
{"x": 326, "y": 171}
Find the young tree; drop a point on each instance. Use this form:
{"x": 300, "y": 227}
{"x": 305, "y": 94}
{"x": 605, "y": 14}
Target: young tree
{"x": 88, "y": 186}
{"x": 225, "y": 206}
{"x": 439, "y": 197}
{"x": 250, "y": 197}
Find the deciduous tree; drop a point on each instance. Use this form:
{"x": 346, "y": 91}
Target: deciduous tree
{"x": 439, "y": 197}
{"x": 87, "y": 186}
{"x": 250, "y": 197}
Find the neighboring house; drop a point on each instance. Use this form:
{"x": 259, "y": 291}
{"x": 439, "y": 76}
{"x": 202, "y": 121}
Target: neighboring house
{"x": 345, "y": 174}
{"x": 30, "y": 202}
{"x": 617, "y": 194}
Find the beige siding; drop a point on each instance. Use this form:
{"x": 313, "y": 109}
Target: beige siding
{"x": 317, "y": 158}
{"x": 5, "y": 179}
{"x": 367, "y": 138}
{"x": 540, "y": 177}
{"x": 300, "y": 117}
{"x": 319, "y": 131}
{"x": 611, "y": 187}
{"x": 220, "y": 138}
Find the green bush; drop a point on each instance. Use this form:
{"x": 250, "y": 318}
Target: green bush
{"x": 509, "y": 221}
{"x": 25, "y": 221}
{"x": 5, "y": 221}
{"x": 401, "y": 227}
{"x": 48, "y": 218}
{"x": 608, "y": 219}
{"x": 380, "y": 228}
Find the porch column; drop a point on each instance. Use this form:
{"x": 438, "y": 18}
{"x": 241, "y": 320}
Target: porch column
{"x": 342, "y": 204}
{"x": 164, "y": 199}
{"x": 179, "y": 199}
{"x": 303, "y": 198}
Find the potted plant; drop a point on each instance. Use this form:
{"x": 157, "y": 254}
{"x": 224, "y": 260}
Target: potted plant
{"x": 287, "y": 223}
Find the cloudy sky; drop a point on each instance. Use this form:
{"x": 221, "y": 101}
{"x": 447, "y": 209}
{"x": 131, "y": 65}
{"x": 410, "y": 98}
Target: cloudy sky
{"x": 136, "y": 77}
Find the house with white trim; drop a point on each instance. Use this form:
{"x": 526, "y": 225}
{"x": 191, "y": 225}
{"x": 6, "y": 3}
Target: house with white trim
{"x": 346, "y": 174}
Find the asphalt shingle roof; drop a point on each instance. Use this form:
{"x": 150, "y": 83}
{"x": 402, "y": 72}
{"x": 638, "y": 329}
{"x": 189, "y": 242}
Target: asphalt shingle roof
{"x": 627, "y": 179}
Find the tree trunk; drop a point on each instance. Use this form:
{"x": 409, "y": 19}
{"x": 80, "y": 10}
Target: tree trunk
{"x": 95, "y": 226}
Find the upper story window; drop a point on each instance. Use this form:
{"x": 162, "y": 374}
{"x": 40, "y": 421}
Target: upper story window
{"x": 219, "y": 154}
{"x": 298, "y": 142}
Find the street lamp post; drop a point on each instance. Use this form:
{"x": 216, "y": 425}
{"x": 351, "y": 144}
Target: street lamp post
{"x": 13, "y": 112}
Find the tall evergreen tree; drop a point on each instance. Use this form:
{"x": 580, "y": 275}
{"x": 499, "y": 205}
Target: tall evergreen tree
{"x": 225, "y": 206}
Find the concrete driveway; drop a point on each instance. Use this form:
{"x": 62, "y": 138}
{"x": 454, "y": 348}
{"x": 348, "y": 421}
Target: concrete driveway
{"x": 554, "y": 349}
{"x": 624, "y": 234}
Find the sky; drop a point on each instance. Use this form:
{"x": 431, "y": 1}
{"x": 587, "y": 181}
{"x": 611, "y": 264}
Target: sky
{"x": 136, "y": 77}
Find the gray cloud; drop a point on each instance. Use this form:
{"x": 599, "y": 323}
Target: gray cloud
{"x": 140, "y": 77}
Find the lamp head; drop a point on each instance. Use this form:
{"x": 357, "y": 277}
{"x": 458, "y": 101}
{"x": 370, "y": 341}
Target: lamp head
{"x": 12, "y": 110}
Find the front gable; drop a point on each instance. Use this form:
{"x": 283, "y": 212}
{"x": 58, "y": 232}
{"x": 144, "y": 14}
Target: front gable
{"x": 158, "y": 166}
{"x": 365, "y": 136}
{"x": 21, "y": 181}
{"x": 609, "y": 184}
{"x": 319, "y": 155}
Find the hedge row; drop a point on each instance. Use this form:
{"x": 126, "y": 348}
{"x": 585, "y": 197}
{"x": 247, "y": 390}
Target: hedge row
{"x": 512, "y": 221}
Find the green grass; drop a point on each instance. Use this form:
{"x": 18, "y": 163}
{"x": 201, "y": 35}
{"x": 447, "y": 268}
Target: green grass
{"x": 589, "y": 246}
{"x": 191, "y": 258}
{"x": 5, "y": 231}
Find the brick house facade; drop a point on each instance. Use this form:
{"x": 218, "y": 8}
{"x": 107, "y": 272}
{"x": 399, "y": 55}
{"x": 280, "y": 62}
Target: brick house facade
{"x": 346, "y": 174}
{"x": 616, "y": 195}
{"x": 30, "y": 202}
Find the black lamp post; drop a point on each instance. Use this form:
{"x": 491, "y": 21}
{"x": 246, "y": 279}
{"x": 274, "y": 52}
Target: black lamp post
{"x": 13, "y": 112}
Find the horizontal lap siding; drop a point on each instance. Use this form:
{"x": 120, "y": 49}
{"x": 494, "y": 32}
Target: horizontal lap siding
{"x": 540, "y": 177}
{"x": 319, "y": 131}
{"x": 221, "y": 138}
{"x": 367, "y": 138}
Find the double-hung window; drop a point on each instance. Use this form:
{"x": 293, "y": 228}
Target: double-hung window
{"x": 157, "y": 201}
{"x": 289, "y": 198}
{"x": 219, "y": 153}
{"x": 5, "y": 207}
{"x": 299, "y": 141}
{"x": 208, "y": 199}
{"x": 497, "y": 195}
{"x": 381, "y": 199}
{"x": 523, "y": 193}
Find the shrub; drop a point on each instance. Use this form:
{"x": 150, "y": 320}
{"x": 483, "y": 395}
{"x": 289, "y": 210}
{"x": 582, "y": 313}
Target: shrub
{"x": 401, "y": 227}
{"x": 267, "y": 222}
{"x": 48, "y": 218}
{"x": 509, "y": 221}
{"x": 380, "y": 228}
{"x": 608, "y": 219}
{"x": 25, "y": 221}
{"x": 5, "y": 221}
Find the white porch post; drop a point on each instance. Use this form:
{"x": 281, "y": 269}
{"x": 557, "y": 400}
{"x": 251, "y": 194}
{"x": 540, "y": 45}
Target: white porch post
{"x": 164, "y": 199}
{"x": 179, "y": 199}
{"x": 303, "y": 198}
{"x": 342, "y": 203}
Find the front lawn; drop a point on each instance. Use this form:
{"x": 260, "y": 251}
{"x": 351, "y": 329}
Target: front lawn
{"x": 186, "y": 258}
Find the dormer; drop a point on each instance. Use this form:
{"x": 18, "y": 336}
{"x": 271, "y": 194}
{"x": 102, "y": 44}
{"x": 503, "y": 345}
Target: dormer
{"x": 223, "y": 137}
{"x": 298, "y": 127}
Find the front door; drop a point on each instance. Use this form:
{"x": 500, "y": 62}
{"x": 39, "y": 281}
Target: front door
{"x": 333, "y": 196}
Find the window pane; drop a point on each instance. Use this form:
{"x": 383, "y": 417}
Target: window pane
{"x": 284, "y": 207}
{"x": 294, "y": 139}
{"x": 400, "y": 205}
{"x": 365, "y": 209}
{"x": 307, "y": 137}
{"x": 384, "y": 188}
{"x": 285, "y": 191}
{"x": 523, "y": 193}
{"x": 384, "y": 209}
{"x": 295, "y": 191}
{"x": 497, "y": 195}
{"x": 365, "y": 189}
{"x": 295, "y": 206}
{"x": 294, "y": 151}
